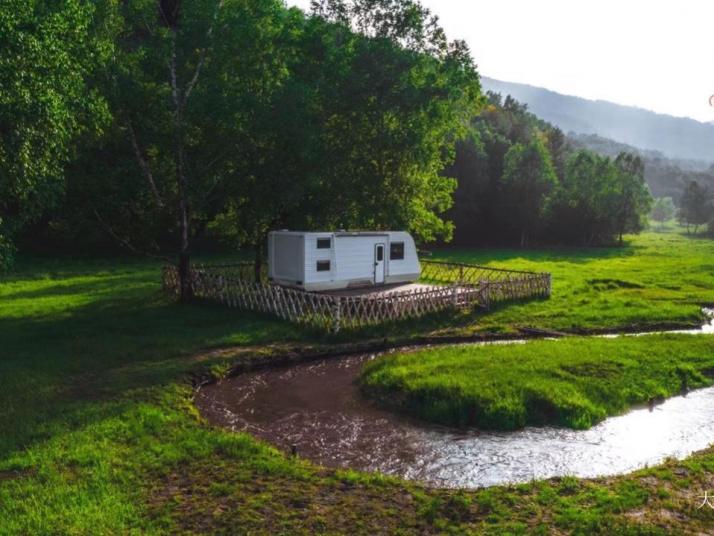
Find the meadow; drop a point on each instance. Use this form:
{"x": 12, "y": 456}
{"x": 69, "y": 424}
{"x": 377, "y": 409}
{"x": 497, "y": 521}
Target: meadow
{"x": 659, "y": 279}
{"x": 99, "y": 434}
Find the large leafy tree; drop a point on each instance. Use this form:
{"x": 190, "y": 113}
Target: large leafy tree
{"x": 49, "y": 52}
{"x": 696, "y": 206}
{"x": 358, "y": 131}
{"x": 632, "y": 200}
{"x": 394, "y": 95}
{"x": 579, "y": 208}
{"x": 528, "y": 177}
{"x": 184, "y": 90}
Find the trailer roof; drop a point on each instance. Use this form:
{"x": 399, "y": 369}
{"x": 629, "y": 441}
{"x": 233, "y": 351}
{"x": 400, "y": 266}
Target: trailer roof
{"x": 340, "y": 233}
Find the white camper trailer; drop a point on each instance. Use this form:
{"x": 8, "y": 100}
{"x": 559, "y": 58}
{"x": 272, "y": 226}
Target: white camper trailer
{"x": 340, "y": 260}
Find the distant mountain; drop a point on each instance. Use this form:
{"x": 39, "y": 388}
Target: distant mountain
{"x": 675, "y": 137}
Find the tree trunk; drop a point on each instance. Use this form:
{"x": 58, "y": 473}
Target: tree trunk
{"x": 186, "y": 284}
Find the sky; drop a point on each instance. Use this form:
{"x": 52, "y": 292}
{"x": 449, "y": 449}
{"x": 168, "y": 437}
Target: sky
{"x": 656, "y": 54}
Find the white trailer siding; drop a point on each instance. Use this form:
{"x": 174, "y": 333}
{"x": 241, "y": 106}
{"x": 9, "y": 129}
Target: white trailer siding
{"x": 286, "y": 253}
{"x": 313, "y": 255}
{"x": 406, "y": 269}
{"x": 328, "y": 261}
{"x": 355, "y": 257}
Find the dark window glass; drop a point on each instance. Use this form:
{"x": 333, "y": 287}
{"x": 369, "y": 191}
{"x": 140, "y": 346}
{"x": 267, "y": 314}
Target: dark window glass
{"x": 396, "y": 251}
{"x": 324, "y": 243}
{"x": 380, "y": 253}
{"x": 323, "y": 266}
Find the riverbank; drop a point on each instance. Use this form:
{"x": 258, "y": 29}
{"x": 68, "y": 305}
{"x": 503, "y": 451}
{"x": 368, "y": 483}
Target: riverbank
{"x": 321, "y": 414}
{"x": 100, "y": 434}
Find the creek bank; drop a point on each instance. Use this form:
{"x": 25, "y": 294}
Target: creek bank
{"x": 316, "y": 409}
{"x": 255, "y": 361}
{"x": 309, "y": 403}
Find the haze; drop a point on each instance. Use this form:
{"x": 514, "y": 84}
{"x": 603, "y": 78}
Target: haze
{"x": 657, "y": 55}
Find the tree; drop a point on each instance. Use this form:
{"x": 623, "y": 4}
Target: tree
{"x": 633, "y": 200}
{"x": 183, "y": 88}
{"x": 663, "y": 210}
{"x": 581, "y": 207}
{"x": 695, "y": 206}
{"x": 528, "y": 178}
{"x": 49, "y": 51}
{"x": 394, "y": 97}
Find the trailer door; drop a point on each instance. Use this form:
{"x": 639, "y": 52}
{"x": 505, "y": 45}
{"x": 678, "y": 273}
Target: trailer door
{"x": 378, "y": 264}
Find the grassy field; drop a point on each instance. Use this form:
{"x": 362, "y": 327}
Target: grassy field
{"x": 658, "y": 278}
{"x": 573, "y": 382}
{"x": 99, "y": 435}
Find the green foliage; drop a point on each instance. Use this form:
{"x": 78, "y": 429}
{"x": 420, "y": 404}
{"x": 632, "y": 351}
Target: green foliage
{"x": 311, "y": 125}
{"x": 49, "y": 52}
{"x": 696, "y": 206}
{"x": 571, "y": 382}
{"x": 552, "y": 192}
{"x": 528, "y": 178}
{"x": 368, "y": 121}
{"x": 663, "y": 210}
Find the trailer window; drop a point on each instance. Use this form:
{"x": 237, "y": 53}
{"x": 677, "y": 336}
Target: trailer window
{"x": 323, "y": 266}
{"x": 324, "y": 243}
{"x": 396, "y": 251}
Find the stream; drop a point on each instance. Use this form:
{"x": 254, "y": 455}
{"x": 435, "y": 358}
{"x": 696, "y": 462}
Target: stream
{"x": 316, "y": 408}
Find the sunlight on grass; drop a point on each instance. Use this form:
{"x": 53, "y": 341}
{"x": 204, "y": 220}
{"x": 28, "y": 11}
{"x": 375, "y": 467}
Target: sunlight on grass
{"x": 572, "y": 382}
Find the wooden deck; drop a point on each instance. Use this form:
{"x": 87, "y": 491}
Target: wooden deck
{"x": 376, "y": 291}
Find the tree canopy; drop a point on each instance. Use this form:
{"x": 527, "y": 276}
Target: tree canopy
{"x": 158, "y": 124}
{"x": 50, "y": 52}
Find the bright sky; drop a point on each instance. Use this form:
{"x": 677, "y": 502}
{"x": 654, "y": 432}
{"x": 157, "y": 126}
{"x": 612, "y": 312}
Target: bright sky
{"x": 656, "y": 54}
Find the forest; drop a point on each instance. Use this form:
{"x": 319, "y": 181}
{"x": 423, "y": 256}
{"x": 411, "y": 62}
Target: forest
{"x": 158, "y": 130}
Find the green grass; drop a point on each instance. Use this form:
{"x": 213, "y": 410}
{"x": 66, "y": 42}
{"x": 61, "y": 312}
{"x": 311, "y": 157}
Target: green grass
{"x": 98, "y": 434}
{"x": 573, "y": 382}
{"x": 658, "y": 278}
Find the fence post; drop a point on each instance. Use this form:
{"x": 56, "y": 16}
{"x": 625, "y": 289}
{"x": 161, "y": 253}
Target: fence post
{"x": 548, "y": 279}
{"x": 337, "y": 314}
{"x": 485, "y": 293}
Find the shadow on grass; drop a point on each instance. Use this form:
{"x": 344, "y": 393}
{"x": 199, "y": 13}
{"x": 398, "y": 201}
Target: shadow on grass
{"x": 76, "y": 365}
{"x": 99, "y": 340}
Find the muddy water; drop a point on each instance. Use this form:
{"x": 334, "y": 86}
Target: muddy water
{"x": 317, "y": 408}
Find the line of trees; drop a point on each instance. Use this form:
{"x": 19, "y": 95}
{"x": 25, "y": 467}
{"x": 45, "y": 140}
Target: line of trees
{"x": 159, "y": 123}
{"x": 231, "y": 117}
{"x": 521, "y": 181}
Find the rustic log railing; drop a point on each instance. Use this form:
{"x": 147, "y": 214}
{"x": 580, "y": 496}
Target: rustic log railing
{"x": 450, "y": 286}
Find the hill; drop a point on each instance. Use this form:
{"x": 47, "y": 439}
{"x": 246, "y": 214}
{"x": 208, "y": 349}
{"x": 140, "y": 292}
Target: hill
{"x": 675, "y": 137}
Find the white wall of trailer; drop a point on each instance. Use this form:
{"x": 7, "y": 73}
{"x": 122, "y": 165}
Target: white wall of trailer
{"x": 351, "y": 258}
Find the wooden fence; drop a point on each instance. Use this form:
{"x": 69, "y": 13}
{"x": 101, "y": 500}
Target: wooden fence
{"x": 450, "y": 286}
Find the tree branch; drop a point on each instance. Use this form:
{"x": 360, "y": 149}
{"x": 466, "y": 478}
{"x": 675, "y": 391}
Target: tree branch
{"x": 143, "y": 164}
{"x": 201, "y": 60}
{"x": 126, "y": 243}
